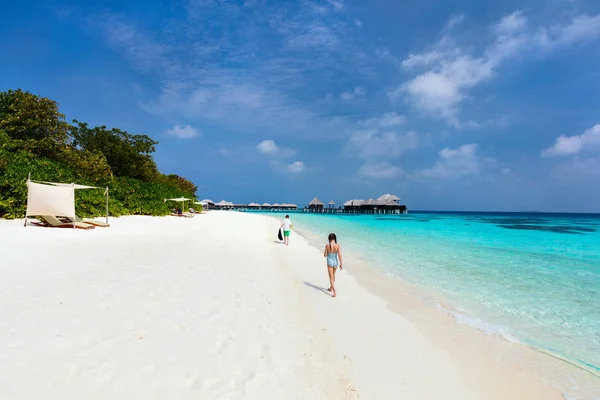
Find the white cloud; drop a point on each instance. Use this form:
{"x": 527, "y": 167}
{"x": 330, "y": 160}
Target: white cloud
{"x": 358, "y": 22}
{"x": 451, "y": 71}
{"x": 581, "y": 28}
{"x": 338, "y": 5}
{"x": 353, "y": 94}
{"x": 510, "y": 24}
{"x": 454, "y": 21}
{"x": 372, "y": 143}
{"x": 267, "y": 146}
{"x": 421, "y": 60}
{"x": 388, "y": 120}
{"x": 569, "y": 145}
{"x": 462, "y": 161}
{"x": 207, "y": 83}
{"x": 183, "y": 132}
{"x": 271, "y": 148}
{"x": 380, "y": 170}
{"x": 378, "y": 138}
{"x": 442, "y": 90}
{"x": 296, "y": 167}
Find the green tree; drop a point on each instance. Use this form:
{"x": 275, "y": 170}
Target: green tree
{"x": 25, "y": 116}
{"x": 177, "y": 181}
{"x": 126, "y": 154}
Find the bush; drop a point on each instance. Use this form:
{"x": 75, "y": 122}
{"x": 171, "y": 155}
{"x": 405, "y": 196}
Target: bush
{"x": 34, "y": 139}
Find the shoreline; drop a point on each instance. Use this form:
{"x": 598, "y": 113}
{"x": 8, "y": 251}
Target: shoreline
{"x": 438, "y": 318}
{"x": 215, "y": 307}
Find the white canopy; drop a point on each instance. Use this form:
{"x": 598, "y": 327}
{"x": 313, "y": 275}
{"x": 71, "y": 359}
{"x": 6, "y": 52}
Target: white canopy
{"x": 73, "y": 185}
{"x": 180, "y": 199}
{"x": 50, "y": 200}
{"x": 55, "y": 199}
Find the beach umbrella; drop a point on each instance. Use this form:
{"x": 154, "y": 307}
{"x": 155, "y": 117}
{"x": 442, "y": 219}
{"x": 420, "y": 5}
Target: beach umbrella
{"x": 181, "y": 200}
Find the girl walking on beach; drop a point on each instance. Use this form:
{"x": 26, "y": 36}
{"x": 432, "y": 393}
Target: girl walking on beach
{"x": 333, "y": 254}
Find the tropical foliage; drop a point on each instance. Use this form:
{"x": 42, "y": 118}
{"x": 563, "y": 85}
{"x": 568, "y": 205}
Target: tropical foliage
{"x": 36, "y": 139}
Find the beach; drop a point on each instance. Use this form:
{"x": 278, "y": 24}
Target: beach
{"x": 215, "y": 307}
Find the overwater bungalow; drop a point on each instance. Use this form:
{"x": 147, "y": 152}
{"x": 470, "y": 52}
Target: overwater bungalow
{"x": 386, "y": 204}
{"x": 209, "y": 204}
{"x": 315, "y": 205}
{"x": 224, "y": 205}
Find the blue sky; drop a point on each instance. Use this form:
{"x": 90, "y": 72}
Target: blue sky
{"x": 468, "y": 105}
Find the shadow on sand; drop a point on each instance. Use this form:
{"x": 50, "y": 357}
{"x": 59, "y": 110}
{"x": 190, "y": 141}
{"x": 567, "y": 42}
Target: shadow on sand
{"x": 320, "y": 289}
{"x": 277, "y": 242}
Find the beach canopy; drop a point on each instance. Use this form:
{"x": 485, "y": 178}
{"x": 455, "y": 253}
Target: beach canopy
{"x": 73, "y": 185}
{"x": 43, "y": 199}
{"x": 181, "y": 199}
{"x": 54, "y": 199}
{"x": 389, "y": 197}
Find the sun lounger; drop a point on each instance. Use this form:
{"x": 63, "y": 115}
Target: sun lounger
{"x": 183, "y": 215}
{"x": 91, "y": 222}
{"x": 50, "y": 220}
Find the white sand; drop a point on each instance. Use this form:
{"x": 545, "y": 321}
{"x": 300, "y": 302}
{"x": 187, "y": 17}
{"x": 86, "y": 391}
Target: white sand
{"x": 209, "y": 308}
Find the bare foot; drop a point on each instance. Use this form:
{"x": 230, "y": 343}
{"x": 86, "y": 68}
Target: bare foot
{"x": 330, "y": 289}
{"x": 334, "y": 294}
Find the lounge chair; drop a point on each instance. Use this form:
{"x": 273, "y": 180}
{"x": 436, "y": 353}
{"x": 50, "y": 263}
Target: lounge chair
{"x": 185, "y": 215}
{"x": 91, "y": 221}
{"x": 51, "y": 220}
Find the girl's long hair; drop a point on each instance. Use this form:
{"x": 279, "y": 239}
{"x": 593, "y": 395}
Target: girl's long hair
{"x": 332, "y": 237}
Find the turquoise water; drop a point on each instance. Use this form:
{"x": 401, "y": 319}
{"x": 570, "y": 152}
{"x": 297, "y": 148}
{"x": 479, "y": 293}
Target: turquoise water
{"x": 534, "y": 278}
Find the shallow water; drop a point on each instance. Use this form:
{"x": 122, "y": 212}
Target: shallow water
{"x": 534, "y": 278}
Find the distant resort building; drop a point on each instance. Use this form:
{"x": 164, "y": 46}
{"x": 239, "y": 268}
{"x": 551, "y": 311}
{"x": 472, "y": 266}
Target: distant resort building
{"x": 227, "y": 205}
{"x": 315, "y": 205}
{"x": 385, "y": 204}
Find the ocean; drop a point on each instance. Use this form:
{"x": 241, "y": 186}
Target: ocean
{"x": 529, "y": 277}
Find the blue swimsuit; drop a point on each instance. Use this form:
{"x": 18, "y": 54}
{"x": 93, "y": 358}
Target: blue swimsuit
{"x": 332, "y": 259}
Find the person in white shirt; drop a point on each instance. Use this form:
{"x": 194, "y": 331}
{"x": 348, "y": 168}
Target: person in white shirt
{"x": 287, "y": 226}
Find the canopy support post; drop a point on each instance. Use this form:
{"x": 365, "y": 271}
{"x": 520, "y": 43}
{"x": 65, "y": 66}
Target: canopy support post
{"x": 27, "y": 183}
{"x": 74, "y": 214}
{"x": 107, "y": 204}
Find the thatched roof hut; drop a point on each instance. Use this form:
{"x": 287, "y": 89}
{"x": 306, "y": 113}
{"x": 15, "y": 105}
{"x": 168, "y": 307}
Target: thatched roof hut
{"x": 315, "y": 203}
{"x": 389, "y": 197}
{"x": 353, "y": 203}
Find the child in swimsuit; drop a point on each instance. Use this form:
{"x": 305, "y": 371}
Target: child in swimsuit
{"x": 333, "y": 254}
